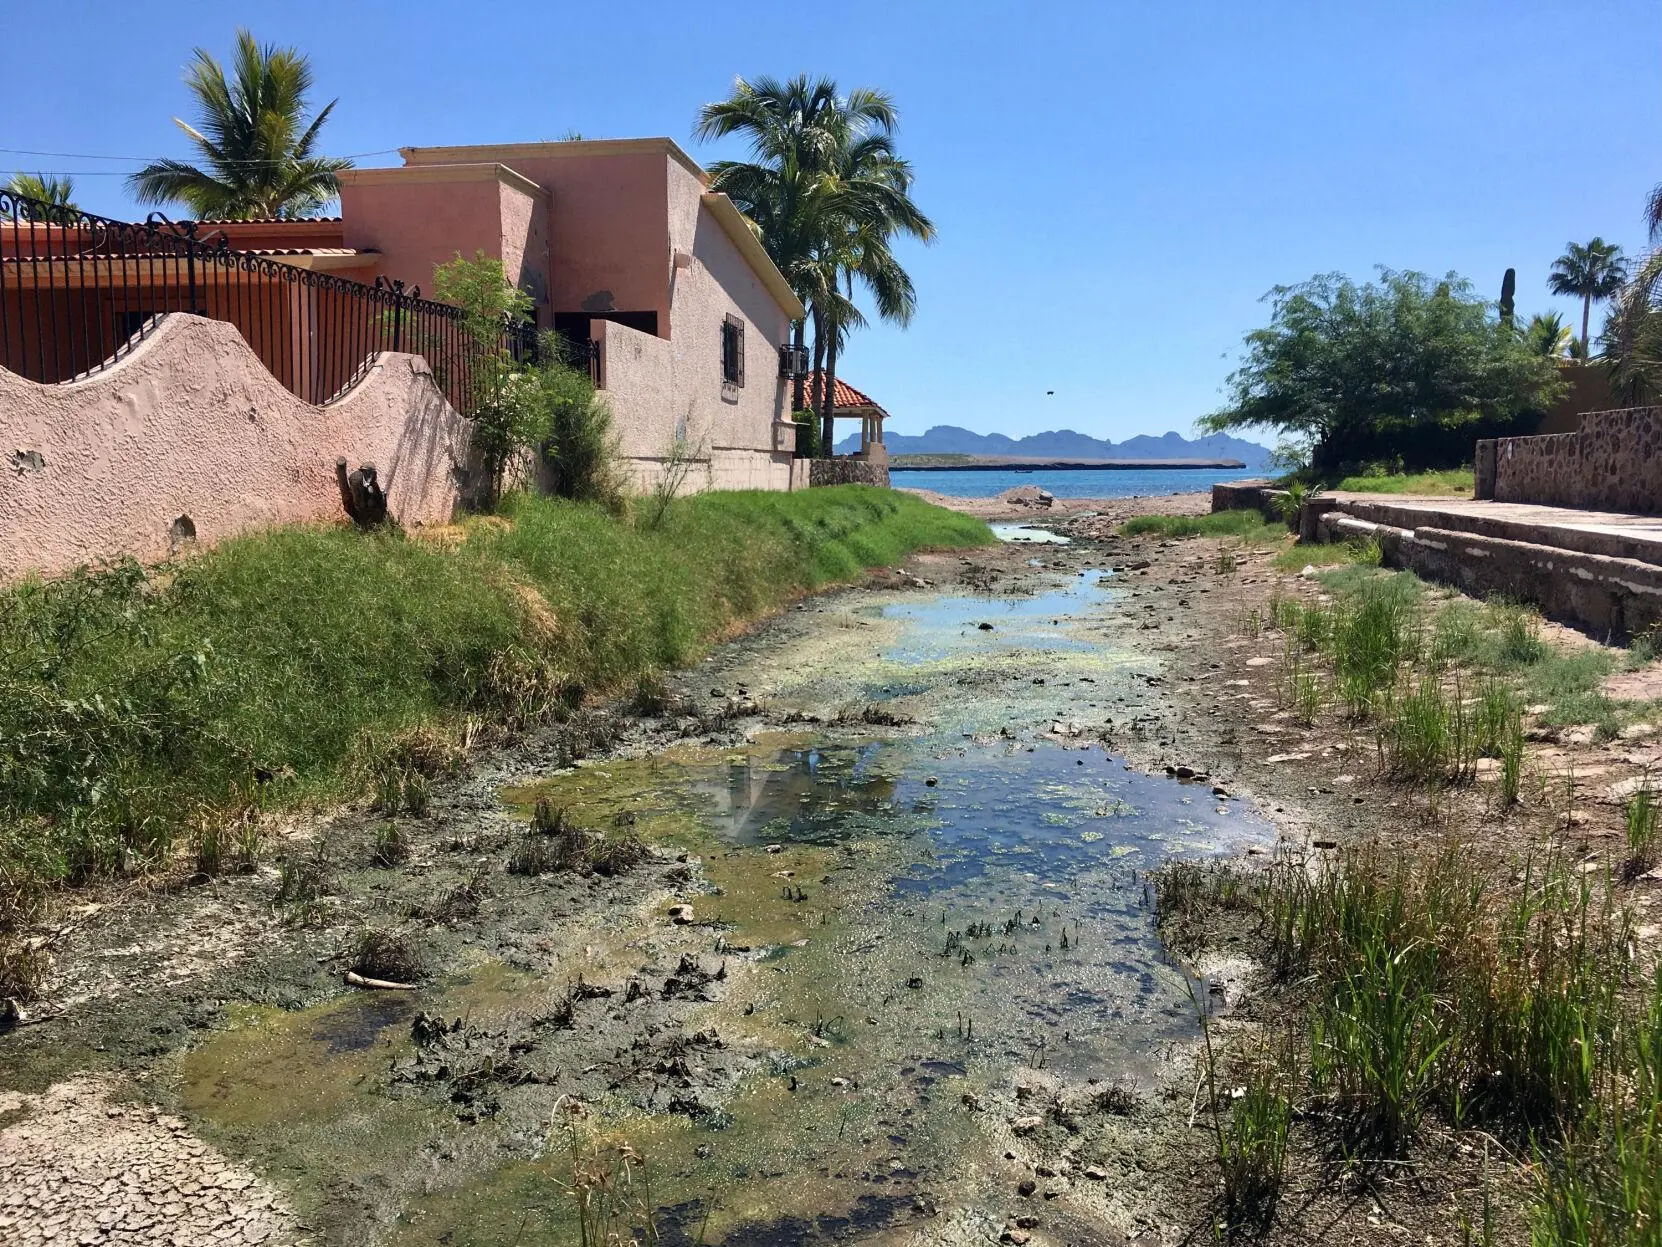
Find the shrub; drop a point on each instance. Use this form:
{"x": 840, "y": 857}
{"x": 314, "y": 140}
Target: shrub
{"x": 389, "y": 956}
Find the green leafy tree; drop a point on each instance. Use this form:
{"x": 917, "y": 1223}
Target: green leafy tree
{"x": 57, "y": 193}
{"x": 1548, "y": 336}
{"x": 827, "y": 194}
{"x": 1591, "y": 272}
{"x": 527, "y": 415}
{"x": 258, "y": 148}
{"x": 1401, "y": 366}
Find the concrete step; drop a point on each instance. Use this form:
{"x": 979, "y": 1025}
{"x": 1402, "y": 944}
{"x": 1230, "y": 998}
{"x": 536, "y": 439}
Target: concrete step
{"x": 1607, "y": 534}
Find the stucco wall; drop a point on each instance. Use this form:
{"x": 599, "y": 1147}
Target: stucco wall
{"x": 606, "y": 224}
{"x": 418, "y": 225}
{"x": 639, "y": 372}
{"x": 638, "y": 378}
{"x": 191, "y": 424}
{"x": 1614, "y": 463}
{"x": 720, "y": 282}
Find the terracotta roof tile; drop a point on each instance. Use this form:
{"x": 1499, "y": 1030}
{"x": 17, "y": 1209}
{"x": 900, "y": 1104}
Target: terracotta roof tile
{"x": 845, "y": 395}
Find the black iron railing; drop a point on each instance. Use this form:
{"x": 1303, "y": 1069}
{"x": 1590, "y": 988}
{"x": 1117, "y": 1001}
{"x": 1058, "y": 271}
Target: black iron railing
{"x": 78, "y": 292}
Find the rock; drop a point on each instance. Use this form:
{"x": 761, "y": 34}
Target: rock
{"x": 1096, "y": 1174}
{"x": 1026, "y": 1125}
{"x": 680, "y": 915}
{"x": 1260, "y": 661}
{"x": 776, "y": 848}
{"x": 931, "y": 782}
{"x": 1026, "y": 1187}
{"x": 839, "y": 1082}
{"x": 1015, "y": 1236}
{"x": 1620, "y": 791}
{"x": 1637, "y": 731}
{"x": 1139, "y": 565}
{"x": 1218, "y": 790}
{"x": 1027, "y": 1222}
{"x": 1276, "y": 758}
{"x": 984, "y": 626}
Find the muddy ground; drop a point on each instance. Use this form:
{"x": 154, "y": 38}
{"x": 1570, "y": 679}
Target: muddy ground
{"x": 887, "y": 973}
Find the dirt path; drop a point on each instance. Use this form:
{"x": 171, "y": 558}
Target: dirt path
{"x": 885, "y": 974}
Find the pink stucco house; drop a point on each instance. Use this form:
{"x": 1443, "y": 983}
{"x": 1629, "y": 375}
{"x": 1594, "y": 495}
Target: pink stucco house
{"x": 620, "y": 242}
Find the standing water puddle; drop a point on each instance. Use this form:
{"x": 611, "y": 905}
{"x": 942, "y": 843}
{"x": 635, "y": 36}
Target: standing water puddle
{"x": 912, "y": 919}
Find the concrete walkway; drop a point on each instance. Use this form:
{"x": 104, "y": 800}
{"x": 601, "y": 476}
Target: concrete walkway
{"x": 1598, "y": 570}
{"x": 1612, "y": 534}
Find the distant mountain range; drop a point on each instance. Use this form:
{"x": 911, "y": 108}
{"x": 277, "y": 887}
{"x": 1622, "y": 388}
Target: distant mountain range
{"x": 947, "y": 439}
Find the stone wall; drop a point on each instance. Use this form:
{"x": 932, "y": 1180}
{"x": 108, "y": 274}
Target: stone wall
{"x": 848, "y": 472}
{"x": 1614, "y": 463}
{"x": 190, "y": 436}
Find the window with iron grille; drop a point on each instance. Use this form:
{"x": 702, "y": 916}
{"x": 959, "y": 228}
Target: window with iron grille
{"x": 732, "y": 351}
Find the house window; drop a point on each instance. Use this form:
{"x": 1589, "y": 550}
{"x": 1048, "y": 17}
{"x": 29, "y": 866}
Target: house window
{"x": 732, "y": 351}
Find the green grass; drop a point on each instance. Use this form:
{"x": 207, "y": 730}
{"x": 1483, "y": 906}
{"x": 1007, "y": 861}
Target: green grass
{"x": 1249, "y": 526}
{"x": 1459, "y": 482}
{"x": 277, "y": 667}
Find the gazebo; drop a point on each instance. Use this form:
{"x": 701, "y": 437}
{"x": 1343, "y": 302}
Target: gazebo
{"x": 848, "y": 403}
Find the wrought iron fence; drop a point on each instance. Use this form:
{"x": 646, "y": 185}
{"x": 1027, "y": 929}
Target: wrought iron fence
{"x": 78, "y": 292}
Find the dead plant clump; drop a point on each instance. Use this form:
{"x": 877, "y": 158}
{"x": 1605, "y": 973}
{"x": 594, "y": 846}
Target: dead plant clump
{"x": 463, "y": 900}
{"x": 391, "y": 847}
{"x": 389, "y": 956}
{"x": 25, "y": 957}
{"x": 554, "y": 842}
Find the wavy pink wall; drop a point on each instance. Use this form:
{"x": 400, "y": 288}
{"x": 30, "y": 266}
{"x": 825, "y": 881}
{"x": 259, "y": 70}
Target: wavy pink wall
{"x": 191, "y": 424}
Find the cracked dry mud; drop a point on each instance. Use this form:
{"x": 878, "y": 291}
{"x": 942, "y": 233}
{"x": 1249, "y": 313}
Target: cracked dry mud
{"x": 78, "y": 1168}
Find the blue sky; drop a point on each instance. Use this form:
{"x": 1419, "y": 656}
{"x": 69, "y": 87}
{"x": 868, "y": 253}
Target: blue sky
{"x": 1116, "y": 185}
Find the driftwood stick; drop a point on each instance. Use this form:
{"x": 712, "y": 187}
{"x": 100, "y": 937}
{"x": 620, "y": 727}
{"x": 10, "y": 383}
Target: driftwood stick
{"x": 354, "y": 979}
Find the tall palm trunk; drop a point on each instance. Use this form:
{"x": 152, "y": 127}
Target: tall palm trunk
{"x": 1586, "y": 315}
{"x": 815, "y": 398}
{"x": 828, "y": 418}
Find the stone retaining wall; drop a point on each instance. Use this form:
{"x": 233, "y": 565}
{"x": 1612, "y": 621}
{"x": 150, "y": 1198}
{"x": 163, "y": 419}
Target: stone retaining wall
{"x": 1607, "y": 595}
{"x": 848, "y": 472}
{"x": 1614, "y": 463}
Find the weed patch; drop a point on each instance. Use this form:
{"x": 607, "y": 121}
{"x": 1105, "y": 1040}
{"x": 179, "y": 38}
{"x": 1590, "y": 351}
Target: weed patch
{"x": 297, "y": 665}
{"x": 1250, "y": 526}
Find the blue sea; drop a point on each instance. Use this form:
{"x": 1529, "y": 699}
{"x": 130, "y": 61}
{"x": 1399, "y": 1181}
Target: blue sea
{"x": 1086, "y": 483}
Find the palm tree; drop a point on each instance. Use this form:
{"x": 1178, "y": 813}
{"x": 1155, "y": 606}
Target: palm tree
{"x": 258, "y": 149}
{"x": 827, "y": 193}
{"x": 1549, "y": 336}
{"x": 1594, "y": 271}
{"x": 55, "y": 192}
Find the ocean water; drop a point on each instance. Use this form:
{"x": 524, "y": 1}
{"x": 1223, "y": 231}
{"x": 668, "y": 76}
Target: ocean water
{"x": 1085, "y": 483}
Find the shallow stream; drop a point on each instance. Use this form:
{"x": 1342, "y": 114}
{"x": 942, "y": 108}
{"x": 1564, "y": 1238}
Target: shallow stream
{"x": 922, "y": 882}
